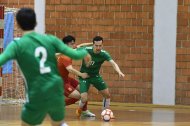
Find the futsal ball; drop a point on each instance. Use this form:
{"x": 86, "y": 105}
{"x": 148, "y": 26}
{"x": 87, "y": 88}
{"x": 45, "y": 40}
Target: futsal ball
{"x": 106, "y": 115}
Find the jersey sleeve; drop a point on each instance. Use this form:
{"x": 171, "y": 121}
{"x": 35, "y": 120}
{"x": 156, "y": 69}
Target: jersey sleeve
{"x": 107, "y": 56}
{"x": 80, "y": 48}
{"x": 66, "y": 61}
{"x": 64, "y": 49}
{"x": 8, "y": 54}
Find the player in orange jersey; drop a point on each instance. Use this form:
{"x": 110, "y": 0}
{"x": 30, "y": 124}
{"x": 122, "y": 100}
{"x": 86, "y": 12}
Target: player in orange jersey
{"x": 71, "y": 86}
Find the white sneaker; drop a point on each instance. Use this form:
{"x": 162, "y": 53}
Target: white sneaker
{"x": 87, "y": 113}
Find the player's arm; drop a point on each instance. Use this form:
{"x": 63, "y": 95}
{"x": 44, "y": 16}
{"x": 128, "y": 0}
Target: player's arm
{"x": 76, "y": 72}
{"x": 62, "y": 48}
{"x": 3, "y": 59}
{"x": 84, "y": 44}
{"x": 116, "y": 67}
{"x": 8, "y": 54}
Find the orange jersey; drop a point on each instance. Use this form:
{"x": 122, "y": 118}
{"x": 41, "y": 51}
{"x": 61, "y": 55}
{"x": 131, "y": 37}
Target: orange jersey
{"x": 63, "y": 62}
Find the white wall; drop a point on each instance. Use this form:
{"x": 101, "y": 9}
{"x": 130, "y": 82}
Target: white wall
{"x": 39, "y": 6}
{"x": 164, "y": 66}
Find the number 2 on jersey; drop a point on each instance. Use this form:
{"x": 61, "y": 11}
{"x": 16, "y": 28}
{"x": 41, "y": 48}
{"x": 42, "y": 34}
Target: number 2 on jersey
{"x": 38, "y": 51}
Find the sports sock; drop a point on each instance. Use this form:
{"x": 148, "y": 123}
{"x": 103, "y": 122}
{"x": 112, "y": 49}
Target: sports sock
{"x": 81, "y": 104}
{"x": 84, "y": 108}
{"x": 106, "y": 103}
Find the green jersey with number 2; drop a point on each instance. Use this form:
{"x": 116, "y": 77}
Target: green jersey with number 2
{"x": 35, "y": 54}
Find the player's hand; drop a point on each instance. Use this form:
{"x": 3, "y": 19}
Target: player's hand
{"x": 84, "y": 75}
{"x": 87, "y": 60}
{"x": 121, "y": 74}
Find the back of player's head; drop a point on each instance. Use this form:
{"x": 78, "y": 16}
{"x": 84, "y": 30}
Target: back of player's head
{"x": 97, "y": 38}
{"x": 67, "y": 39}
{"x": 26, "y": 18}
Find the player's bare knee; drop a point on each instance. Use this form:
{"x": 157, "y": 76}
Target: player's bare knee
{"x": 84, "y": 99}
{"x": 107, "y": 96}
{"x": 78, "y": 97}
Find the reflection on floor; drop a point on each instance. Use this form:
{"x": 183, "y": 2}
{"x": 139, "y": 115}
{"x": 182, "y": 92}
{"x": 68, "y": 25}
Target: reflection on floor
{"x": 126, "y": 115}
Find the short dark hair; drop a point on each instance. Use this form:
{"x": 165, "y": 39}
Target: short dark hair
{"x": 67, "y": 39}
{"x": 97, "y": 38}
{"x": 26, "y": 18}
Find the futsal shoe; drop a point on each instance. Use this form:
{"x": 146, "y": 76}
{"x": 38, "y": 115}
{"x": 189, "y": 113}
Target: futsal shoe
{"x": 87, "y": 113}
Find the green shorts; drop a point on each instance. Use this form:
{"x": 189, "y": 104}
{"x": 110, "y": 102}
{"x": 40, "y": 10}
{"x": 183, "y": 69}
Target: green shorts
{"x": 33, "y": 113}
{"x": 96, "y": 81}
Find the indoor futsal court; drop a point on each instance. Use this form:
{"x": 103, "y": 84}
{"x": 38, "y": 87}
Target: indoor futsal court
{"x": 149, "y": 40}
{"x": 126, "y": 115}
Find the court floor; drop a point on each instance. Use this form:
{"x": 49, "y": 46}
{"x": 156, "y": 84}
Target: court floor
{"x": 126, "y": 115}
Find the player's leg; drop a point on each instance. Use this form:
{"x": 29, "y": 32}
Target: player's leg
{"x": 106, "y": 98}
{"x": 85, "y": 111}
{"x": 71, "y": 93}
{"x": 74, "y": 83}
{"x": 82, "y": 103}
{"x": 105, "y": 93}
{"x": 72, "y": 98}
{"x": 99, "y": 84}
{"x": 33, "y": 113}
{"x": 57, "y": 113}
{"x": 85, "y": 106}
{"x": 84, "y": 87}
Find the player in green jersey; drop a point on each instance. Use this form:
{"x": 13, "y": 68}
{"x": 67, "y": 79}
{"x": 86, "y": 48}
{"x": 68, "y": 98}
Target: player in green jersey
{"x": 35, "y": 54}
{"x": 98, "y": 57}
